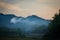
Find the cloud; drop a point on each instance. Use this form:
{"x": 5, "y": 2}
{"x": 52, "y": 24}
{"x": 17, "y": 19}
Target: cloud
{"x": 10, "y": 1}
{"x": 8, "y": 8}
{"x": 13, "y": 20}
{"x": 30, "y": 7}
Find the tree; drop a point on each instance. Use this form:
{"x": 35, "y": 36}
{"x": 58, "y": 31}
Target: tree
{"x": 54, "y": 28}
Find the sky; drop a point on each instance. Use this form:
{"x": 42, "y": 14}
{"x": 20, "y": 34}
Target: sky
{"x": 42, "y": 8}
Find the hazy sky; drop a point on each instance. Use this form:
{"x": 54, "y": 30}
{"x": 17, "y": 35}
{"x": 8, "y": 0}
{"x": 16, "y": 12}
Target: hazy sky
{"x": 42, "y": 8}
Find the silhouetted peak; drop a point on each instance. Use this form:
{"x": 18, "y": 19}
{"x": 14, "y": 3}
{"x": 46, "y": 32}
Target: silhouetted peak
{"x": 33, "y": 16}
{"x": 7, "y": 15}
{"x": 1, "y": 14}
{"x": 10, "y": 15}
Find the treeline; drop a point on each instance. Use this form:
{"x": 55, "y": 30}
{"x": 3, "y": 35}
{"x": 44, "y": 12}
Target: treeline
{"x": 54, "y": 29}
{"x": 8, "y": 32}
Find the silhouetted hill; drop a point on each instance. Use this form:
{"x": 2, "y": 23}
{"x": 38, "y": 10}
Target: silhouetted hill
{"x": 27, "y": 25}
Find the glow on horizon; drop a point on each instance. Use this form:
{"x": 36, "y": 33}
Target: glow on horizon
{"x": 42, "y": 8}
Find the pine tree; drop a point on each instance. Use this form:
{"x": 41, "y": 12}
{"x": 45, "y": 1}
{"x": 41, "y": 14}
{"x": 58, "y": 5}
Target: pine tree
{"x": 54, "y": 28}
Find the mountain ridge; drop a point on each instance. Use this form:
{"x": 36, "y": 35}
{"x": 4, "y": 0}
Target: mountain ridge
{"x": 26, "y": 24}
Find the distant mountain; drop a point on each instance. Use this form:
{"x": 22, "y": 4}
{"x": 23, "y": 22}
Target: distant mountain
{"x": 25, "y": 24}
